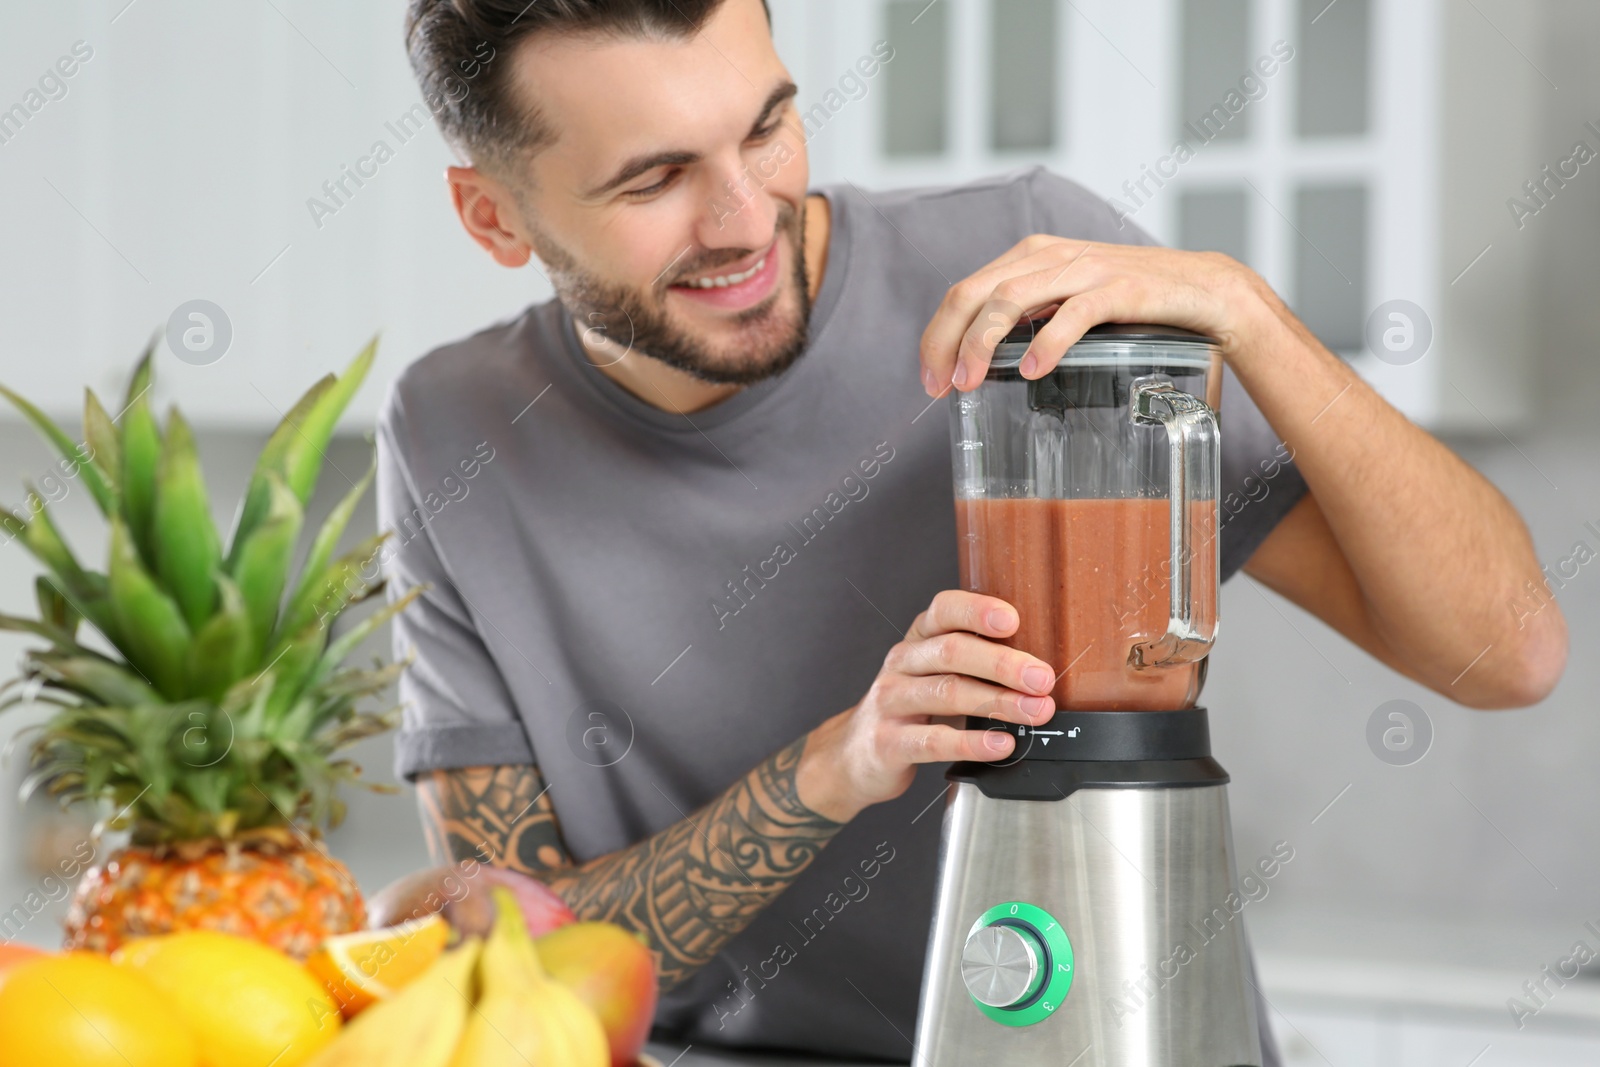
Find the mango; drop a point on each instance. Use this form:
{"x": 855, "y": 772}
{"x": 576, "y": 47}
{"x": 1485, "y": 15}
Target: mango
{"x": 614, "y": 973}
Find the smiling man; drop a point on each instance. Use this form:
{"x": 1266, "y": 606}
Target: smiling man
{"x": 693, "y": 653}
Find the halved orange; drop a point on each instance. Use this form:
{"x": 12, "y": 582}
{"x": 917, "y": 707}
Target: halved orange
{"x": 364, "y": 967}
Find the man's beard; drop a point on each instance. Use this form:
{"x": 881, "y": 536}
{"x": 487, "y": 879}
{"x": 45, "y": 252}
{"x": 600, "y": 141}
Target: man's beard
{"x": 641, "y": 321}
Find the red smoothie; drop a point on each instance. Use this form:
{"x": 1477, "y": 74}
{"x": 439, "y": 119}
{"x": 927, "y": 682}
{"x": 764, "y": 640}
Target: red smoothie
{"x": 1089, "y": 579}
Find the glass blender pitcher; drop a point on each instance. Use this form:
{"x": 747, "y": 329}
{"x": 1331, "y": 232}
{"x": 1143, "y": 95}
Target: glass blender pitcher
{"x": 1087, "y": 499}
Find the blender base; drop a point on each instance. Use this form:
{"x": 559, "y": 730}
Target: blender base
{"x": 1088, "y": 912}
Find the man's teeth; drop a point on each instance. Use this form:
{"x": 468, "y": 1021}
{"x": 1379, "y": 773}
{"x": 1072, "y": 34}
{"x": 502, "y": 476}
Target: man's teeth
{"x": 722, "y": 281}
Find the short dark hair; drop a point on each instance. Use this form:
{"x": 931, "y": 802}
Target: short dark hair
{"x": 460, "y": 52}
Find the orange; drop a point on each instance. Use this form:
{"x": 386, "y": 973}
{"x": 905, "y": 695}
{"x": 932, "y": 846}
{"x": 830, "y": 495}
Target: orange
{"x": 81, "y": 1009}
{"x": 362, "y": 968}
{"x": 247, "y": 1004}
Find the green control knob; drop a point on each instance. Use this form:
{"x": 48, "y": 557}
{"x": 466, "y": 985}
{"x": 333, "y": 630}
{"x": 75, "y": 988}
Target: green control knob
{"x": 1002, "y": 965}
{"x": 1017, "y": 963}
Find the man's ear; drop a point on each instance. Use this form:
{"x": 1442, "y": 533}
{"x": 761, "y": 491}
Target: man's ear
{"x": 488, "y": 212}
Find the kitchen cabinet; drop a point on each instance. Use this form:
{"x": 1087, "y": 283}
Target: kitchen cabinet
{"x": 1364, "y": 988}
{"x": 1331, "y": 1034}
{"x": 1355, "y": 153}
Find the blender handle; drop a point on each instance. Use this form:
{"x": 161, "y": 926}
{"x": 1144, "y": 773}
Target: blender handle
{"x": 1192, "y": 437}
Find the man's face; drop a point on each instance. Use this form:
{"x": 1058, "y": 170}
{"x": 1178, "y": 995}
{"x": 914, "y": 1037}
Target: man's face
{"x": 670, "y": 207}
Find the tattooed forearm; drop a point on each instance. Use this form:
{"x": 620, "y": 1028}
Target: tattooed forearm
{"x": 696, "y": 884}
{"x": 495, "y": 815}
{"x": 689, "y": 888}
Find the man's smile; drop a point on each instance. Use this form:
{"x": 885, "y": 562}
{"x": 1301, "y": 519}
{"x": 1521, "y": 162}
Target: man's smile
{"x": 746, "y": 284}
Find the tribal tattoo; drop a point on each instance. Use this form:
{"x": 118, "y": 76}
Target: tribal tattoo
{"x": 496, "y": 815}
{"x": 689, "y": 888}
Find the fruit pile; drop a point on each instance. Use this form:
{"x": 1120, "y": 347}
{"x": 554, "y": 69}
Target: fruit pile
{"x": 421, "y": 992}
{"x": 199, "y": 700}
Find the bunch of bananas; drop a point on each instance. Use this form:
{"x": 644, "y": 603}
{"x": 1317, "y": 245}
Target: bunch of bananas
{"x": 481, "y": 1004}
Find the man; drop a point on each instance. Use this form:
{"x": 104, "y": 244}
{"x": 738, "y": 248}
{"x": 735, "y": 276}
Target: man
{"x": 710, "y": 489}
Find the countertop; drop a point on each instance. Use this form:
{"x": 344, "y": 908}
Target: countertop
{"x": 1430, "y": 964}
{"x": 707, "y": 1056}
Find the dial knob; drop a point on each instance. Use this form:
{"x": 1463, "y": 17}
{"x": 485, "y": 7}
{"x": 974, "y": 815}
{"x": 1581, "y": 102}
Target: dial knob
{"x": 1001, "y": 965}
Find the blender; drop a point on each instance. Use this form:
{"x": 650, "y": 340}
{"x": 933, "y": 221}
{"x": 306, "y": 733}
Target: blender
{"x": 1084, "y": 907}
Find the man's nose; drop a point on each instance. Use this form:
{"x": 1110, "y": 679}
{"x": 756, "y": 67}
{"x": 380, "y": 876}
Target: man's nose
{"x": 738, "y": 212}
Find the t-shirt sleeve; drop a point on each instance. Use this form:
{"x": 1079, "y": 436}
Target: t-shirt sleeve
{"x": 1260, "y": 481}
{"x": 456, "y": 708}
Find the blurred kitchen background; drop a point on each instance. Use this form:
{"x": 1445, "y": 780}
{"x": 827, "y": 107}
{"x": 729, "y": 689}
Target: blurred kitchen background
{"x": 1374, "y": 177}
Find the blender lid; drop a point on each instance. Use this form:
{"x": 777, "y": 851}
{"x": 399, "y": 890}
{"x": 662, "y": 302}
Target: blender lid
{"x": 1009, "y": 352}
{"x": 1115, "y": 332}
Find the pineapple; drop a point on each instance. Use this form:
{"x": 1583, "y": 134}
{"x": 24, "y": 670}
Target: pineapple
{"x": 209, "y": 730}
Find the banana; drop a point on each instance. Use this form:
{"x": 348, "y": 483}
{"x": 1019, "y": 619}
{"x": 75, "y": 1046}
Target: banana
{"x": 523, "y": 1015}
{"x": 418, "y": 1026}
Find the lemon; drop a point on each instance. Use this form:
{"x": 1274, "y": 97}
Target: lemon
{"x": 81, "y": 1010}
{"x": 248, "y": 1005}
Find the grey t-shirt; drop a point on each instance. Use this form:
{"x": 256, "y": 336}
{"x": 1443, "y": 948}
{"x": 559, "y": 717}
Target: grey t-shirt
{"x": 647, "y": 605}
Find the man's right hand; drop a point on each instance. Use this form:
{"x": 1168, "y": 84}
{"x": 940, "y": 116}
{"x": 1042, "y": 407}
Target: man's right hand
{"x": 950, "y": 664}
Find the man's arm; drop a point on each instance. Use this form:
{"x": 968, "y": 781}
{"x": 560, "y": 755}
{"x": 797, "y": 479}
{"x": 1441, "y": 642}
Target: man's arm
{"x": 1404, "y": 547}
{"x": 688, "y": 889}
{"x": 694, "y": 885}
{"x": 1519, "y": 651}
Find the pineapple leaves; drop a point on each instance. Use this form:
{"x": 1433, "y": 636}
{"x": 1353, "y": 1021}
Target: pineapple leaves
{"x": 47, "y": 544}
{"x": 154, "y": 634}
{"x": 220, "y": 707}
{"x": 341, "y": 585}
{"x": 303, "y": 459}
{"x": 85, "y": 591}
{"x": 55, "y": 608}
{"x": 141, "y": 452}
{"x": 316, "y": 574}
{"x": 105, "y": 444}
{"x": 297, "y": 448}
{"x": 339, "y": 650}
{"x": 93, "y": 677}
{"x": 258, "y": 497}
{"x": 262, "y": 567}
{"x": 79, "y": 455}
{"x": 143, "y": 376}
{"x": 292, "y": 665}
{"x": 187, "y": 548}
{"x": 38, "y": 627}
{"x": 224, "y": 648}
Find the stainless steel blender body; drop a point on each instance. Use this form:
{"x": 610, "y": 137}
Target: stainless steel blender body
{"x": 1086, "y": 918}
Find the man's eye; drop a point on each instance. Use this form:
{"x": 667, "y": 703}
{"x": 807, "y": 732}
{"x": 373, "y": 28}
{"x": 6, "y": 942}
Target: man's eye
{"x": 651, "y": 190}
{"x": 766, "y": 131}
